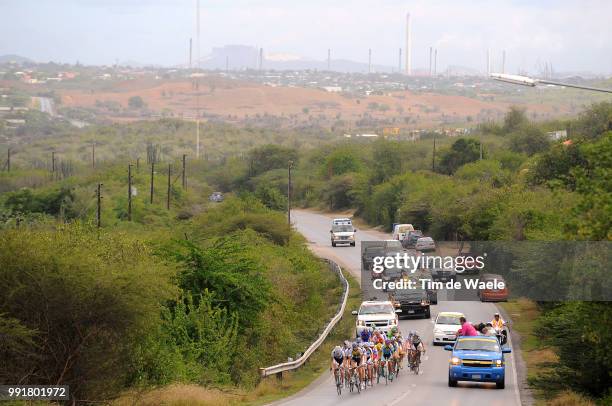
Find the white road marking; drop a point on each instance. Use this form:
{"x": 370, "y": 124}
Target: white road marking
{"x": 399, "y": 399}
{"x": 517, "y": 393}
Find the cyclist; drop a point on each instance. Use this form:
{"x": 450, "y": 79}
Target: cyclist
{"x": 401, "y": 350}
{"x": 498, "y": 323}
{"x": 357, "y": 360}
{"x": 368, "y": 350}
{"x": 417, "y": 346}
{"x": 387, "y": 355}
{"x": 365, "y": 335}
{"x": 337, "y": 361}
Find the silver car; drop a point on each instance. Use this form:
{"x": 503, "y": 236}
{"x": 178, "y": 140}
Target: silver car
{"x": 424, "y": 244}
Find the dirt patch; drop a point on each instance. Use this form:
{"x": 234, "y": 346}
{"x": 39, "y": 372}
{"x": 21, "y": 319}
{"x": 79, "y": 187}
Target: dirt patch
{"x": 239, "y": 100}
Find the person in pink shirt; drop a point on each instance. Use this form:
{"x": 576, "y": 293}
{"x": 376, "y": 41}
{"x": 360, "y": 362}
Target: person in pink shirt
{"x": 466, "y": 328}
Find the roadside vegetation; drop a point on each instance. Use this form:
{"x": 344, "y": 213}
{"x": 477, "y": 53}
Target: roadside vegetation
{"x": 199, "y": 293}
{"x": 526, "y": 187}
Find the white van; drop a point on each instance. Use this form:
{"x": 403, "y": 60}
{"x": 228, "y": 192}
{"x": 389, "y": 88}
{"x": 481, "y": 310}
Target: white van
{"x": 400, "y": 230}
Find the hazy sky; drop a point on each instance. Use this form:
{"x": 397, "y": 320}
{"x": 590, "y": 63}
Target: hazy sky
{"x": 572, "y": 35}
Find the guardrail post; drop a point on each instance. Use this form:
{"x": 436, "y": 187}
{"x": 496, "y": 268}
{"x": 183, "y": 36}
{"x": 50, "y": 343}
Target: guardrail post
{"x": 279, "y": 376}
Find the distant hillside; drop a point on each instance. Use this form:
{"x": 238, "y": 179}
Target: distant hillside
{"x": 247, "y": 57}
{"x": 14, "y": 58}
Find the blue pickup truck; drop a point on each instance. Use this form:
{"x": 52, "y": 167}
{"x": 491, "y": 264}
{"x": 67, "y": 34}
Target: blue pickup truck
{"x": 477, "y": 359}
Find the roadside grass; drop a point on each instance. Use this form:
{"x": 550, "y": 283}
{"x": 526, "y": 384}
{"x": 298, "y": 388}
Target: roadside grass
{"x": 538, "y": 357}
{"x": 270, "y": 389}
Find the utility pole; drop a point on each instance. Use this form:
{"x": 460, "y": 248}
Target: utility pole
{"x": 289, "y": 194}
{"x": 183, "y": 173}
{"x": 480, "y": 142}
{"x": 433, "y": 159}
{"x": 137, "y": 164}
{"x": 328, "y": 59}
{"x": 93, "y": 155}
{"x": 370, "y": 60}
{"x": 152, "y": 179}
{"x": 99, "y": 205}
{"x": 168, "y": 199}
{"x": 53, "y": 162}
{"x": 8, "y": 160}
{"x": 198, "y": 135}
{"x": 130, "y": 192}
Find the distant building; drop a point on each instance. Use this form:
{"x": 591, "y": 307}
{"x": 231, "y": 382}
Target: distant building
{"x": 557, "y": 135}
{"x": 332, "y": 89}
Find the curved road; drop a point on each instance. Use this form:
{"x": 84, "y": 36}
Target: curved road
{"x": 428, "y": 388}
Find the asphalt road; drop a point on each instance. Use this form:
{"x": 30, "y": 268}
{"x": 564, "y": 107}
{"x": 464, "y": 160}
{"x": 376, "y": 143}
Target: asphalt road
{"x": 430, "y": 387}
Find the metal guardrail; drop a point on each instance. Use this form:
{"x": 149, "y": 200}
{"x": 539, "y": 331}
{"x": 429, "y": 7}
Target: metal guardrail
{"x": 287, "y": 366}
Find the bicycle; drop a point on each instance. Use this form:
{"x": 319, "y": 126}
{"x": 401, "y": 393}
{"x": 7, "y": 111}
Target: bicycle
{"x": 382, "y": 371}
{"x": 391, "y": 369}
{"x": 338, "y": 378}
{"x": 355, "y": 381}
{"x": 415, "y": 361}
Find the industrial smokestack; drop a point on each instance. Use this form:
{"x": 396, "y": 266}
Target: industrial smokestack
{"x": 328, "y": 59}
{"x": 408, "y": 46}
{"x": 370, "y": 60}
{"x": 488, "y": 62}
{"x": 399, "y": 61}
{"x": 198, "y": 33}
{"x": 435, "y": 61}
{"x": 503, "y": 67}
{"x": 260, "y": 58}
{"x": 190, "y": 51}
{"x": 430, "y": 61}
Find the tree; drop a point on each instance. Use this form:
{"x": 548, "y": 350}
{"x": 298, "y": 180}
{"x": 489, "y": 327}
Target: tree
{"x": 270, "y": 157}
{"x": 76, "y": 303}
{"x": 463, "y": 151}
{"x": 515, "y": 118}
{"x": 529, "y": 140}
{"x": 136, "y": 102}
{"x": 595, "y": 121}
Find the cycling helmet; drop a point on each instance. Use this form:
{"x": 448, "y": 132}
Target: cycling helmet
{"x": 415, "y": 334}
{"x": 358, "y": 340}
{"x": 354, "y": 346}
{"x": 394, "y": 329}
{"x": 347, "y": 343}
{"x": 337, "y": 352}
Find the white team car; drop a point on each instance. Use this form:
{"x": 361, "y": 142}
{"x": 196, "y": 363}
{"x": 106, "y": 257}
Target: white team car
{"x": 381, "y": 314}
{"x": 445, "y": 327}
{"x": 342, "y": 222}
{"x": 342, "y": 234}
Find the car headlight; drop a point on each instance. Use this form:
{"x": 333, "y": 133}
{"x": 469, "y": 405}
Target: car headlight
{"x": 499, "y": 363}
{"x": 351, "y": 237}
{"x": 438, "y": 331}
{"x": 334, "y": 236}
{"x": 360, "y": 323}
{"x": 394, "y": 322}
{"x": 424, "y": 302}
{"x": 455, "y": 361}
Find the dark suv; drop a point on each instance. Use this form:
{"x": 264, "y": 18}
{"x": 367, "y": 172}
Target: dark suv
{"x": 413, "y": 302}
{"x": 411, "y": 238}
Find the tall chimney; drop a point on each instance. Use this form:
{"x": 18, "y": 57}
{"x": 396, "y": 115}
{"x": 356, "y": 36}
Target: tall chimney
{"x": 399, "y": 62}
{"x": 435, "y": 61}
{"x": 370, "y": 60}
{"x": 430, "y": 61}
{"x": 503, "y": 67}
{"x": 260, "y": 58}
{"x": 408, "y": 46}
{"x": 328, "y": 59}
